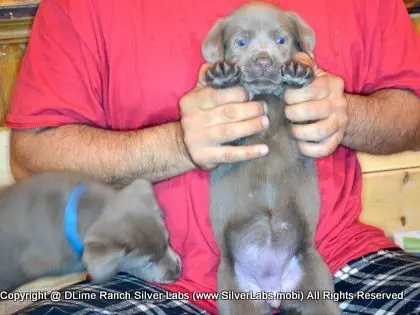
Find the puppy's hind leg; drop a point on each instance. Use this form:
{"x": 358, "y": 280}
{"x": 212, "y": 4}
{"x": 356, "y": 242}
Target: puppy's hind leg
{"x": 316, "y": 285}
{"x": 229, "y": 305}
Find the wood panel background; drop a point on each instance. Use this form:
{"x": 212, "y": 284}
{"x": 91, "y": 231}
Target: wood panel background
{"x": 410, "y": 4}
{"x": 390, "y": 194}
{"x": 17, "y": 2}
{"x": 16, "y": 17}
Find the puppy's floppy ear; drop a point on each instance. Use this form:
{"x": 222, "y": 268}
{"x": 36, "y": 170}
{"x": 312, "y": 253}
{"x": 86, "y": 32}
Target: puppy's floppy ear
{"x": 304, "y": 34}
{"x": 213, "y": 47}
{"x": 125, "y": 223}
{"x": 109, "y": 239}
{"x": 139, "y": 194}
{"x": 102, "y": 259}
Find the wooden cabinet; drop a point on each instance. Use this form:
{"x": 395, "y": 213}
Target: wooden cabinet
{"x": 391, "y": 191}
{"x": 15, "y": 25}
{"x": 414, "y": 10}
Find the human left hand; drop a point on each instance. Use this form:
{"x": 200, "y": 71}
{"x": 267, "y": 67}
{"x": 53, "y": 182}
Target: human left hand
{"x": 323, "y": 103}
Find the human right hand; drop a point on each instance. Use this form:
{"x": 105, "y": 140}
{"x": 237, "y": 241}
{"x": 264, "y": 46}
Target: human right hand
{"x": 324, "y": 105}
{"x": 210, "y": 118}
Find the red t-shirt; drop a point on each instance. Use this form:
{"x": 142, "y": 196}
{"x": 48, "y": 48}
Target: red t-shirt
{"x": 124, "y": 65}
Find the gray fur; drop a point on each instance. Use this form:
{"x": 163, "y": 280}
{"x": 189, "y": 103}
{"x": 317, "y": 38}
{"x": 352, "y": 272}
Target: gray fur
{"x": 264, "y": 212}
{"x": 121, "y": 231}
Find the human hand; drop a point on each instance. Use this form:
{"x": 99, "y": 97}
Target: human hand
{"x": 323, "y": 104}
{"x": 210, "y": 118}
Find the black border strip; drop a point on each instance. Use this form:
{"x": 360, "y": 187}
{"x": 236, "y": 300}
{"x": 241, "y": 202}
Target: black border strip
{"x": 414, "y": 10}
{"x": 10, "y": 13}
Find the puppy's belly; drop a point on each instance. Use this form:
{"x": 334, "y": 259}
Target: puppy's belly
{"x": 273, "y": 287}
{"x": 236, "y": 192}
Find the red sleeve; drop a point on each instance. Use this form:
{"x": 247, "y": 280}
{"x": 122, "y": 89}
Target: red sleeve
{"x": 396, "y": 46}
{"x": 59, "y": 80}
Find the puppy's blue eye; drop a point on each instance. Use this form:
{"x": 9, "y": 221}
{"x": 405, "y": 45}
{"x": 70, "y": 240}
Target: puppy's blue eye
{"x": 242, "y": 42}
{"x": 280, "y": 40}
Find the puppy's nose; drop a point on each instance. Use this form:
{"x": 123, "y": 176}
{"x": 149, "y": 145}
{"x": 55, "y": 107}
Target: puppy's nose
{"x": 264, "y": 62}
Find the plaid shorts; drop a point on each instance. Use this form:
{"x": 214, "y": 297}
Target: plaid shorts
{"x": 382, "y": 283}
{"x": 387, "y": 271}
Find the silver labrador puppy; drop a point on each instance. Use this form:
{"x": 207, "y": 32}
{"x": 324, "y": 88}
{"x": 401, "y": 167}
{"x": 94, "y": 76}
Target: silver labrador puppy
{"x": 264, "y": 212}
{"x": 41, "y": 226}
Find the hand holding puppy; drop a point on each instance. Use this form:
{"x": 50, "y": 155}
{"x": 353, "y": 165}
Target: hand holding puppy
{"x": 323, "y": 102}
{"x": 211, "y": 117}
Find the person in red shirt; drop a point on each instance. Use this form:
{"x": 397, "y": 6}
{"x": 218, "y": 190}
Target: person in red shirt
{"x": 108, "y": 88}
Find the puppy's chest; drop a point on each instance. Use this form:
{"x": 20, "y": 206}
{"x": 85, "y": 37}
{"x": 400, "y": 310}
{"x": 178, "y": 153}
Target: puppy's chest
{"x": 283, "y": 150}
{"x": 265, "y": 176}
{"x": 267, "y": 181}
{"x": 271, "y": 175}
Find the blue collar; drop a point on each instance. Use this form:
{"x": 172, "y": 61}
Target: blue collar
{"x": 71, "y": 221}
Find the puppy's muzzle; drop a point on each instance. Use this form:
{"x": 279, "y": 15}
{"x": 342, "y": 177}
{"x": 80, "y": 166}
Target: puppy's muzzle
{"x": 170, "y": 267}
{"x": 262, "y": 69}
{"x": 263, "y": 62}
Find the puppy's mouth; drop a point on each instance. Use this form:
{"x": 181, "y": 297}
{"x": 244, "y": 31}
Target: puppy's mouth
{"x": 252, "y": 73}
{"x": 262, "y": 84}
{"x": 261, "y": 79}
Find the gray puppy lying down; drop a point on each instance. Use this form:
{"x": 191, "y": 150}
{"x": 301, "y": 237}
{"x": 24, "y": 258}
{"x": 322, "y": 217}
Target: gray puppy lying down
{"x": 58, "y": 223}
{"x": 264, "y": 212}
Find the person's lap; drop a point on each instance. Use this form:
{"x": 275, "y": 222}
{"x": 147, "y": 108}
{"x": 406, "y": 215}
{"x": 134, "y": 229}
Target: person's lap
{"x": 386, "y": 271}
{"x": 124, "y": 294}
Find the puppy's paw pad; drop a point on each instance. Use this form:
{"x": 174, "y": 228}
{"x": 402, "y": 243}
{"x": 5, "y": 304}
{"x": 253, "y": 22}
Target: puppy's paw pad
{"x": 296, "y": 74}
{"x": 223, "y": 75}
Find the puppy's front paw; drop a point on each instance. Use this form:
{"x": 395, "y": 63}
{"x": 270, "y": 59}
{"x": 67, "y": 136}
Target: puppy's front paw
{"x": 296, "y": 74}
{"x": 223, "y": 75}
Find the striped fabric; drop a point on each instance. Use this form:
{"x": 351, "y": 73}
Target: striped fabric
{"x": 124, "y": 294}
{"x": 390, "y": 277}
